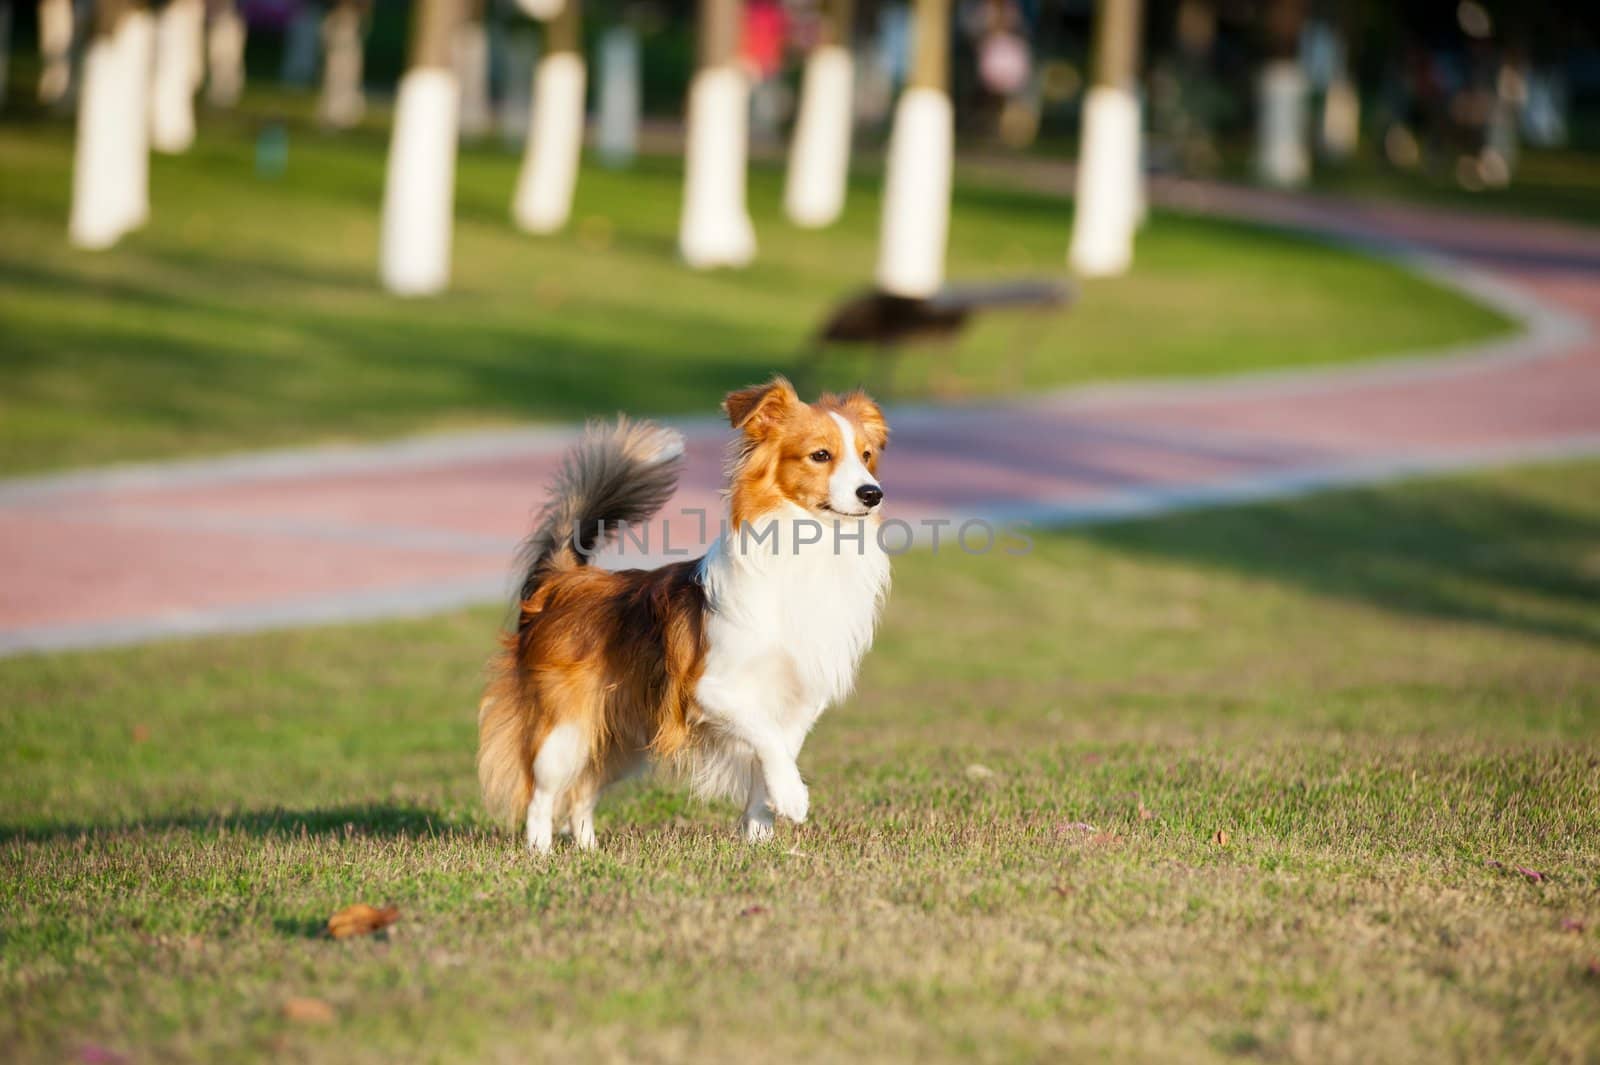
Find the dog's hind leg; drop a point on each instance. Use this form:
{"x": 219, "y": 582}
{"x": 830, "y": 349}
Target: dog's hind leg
{"x": 583, "y": 796}
{"x": 561, "y": 758}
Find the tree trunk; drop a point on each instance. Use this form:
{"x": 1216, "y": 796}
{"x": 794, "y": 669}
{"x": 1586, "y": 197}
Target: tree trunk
{"x": 302, "y": 41}
{"x": 1282, "y": 114}
{"x": 1109, "y": 193}
{"x": 617, "y": 128}
{"x": 543, "y": 10}
{"x": 55, "y": 50}
{"x": 471, "y": 57}
{"x": 518, "y": 48}
{"x": 225, "y": 55}
{"x": 916, "y": 195}
{"x": 715, "y": 228}
{"x": 819, "y": 158}
{"x": 419, "y": 187}
{"x": 343, "y": 101}
{"x": 110, "y": 172}
{"x": 180, "y": 57}
{"x": 555, "y": 130}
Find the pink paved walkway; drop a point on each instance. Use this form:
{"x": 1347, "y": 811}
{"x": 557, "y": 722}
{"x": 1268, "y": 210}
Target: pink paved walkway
{"x": 120, "y": 556}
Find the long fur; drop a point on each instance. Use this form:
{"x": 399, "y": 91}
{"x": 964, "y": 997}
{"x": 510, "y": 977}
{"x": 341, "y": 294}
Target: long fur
{"x": 614, "y": 475}
{"x": 716, "y": 667}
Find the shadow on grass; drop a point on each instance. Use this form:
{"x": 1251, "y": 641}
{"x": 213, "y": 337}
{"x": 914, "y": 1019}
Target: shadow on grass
{"x": 357, "y": 821}
{"x": 1483, "y": 552}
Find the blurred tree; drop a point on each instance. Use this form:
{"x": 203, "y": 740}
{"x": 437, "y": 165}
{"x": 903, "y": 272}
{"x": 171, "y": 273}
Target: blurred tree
{"x": 543, "y": 199}
{"x": 111, "y": 161}
{"x": 470, "y": 56}
{"x": 343, "y": 101}
{"x": 819, "y": 155}
{"x": 419, "y": 186}
{"x": 617, "y": 124}
{"x": 916, "y": 196}
{"x": 1282, "y": 117}
{"x": 179, "y": 69}
{"x": 1109, "y": 167}
{"x": 225, "y": 36}
{"x": 715, "y": 229}
{"x": 56, "y": 27}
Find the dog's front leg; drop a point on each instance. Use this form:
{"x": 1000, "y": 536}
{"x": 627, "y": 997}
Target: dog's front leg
{"x": 757, "y": 821}
{"x": 740, "y": 712}
{"x": 785, "y": 791}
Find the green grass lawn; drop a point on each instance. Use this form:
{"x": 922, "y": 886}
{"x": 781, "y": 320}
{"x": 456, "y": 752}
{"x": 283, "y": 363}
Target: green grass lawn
{"x": 1386, "y": 702}
{"x": 247, "y": 312}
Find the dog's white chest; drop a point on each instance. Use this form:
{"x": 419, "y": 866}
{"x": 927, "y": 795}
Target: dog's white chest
{"x": 804, "y": 618}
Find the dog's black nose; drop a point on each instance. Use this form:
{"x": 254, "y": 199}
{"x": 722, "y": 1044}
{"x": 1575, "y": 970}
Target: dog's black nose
{"x": 870, "y": 494}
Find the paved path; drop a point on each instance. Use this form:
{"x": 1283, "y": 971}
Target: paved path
{"x": 101, "y": 558}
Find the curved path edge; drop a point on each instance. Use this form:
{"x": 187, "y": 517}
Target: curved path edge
{"x": 118, "y": 556}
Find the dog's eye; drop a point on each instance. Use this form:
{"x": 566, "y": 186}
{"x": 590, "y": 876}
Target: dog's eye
{"x": 821, "y": 455}
{"x": 866, "y": 456}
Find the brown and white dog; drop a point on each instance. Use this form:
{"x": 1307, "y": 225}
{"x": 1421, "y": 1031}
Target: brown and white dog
{"x": 720, "y": 665}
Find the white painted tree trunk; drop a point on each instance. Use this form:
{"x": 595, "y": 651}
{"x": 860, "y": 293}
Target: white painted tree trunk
{"x": 916, "y": 195}
{"x": 180, "y": 45}
{"x": 419, "y": 187}
{"x": 470, "y": 49}
{"x": 1341, "y": 119}
{"x": 617, "y": 120}
{"x": 1282, "y": 157}
{"x": 343, "y": 102}
{"x": 55, "y": 50}
{"x": 555, "y": 140}
{"x": 110, "y": 171}
{"x": 139, "y": 44}
{"x": 225, "y": 57}
{"x": 819, "y": 157}
{"x": 1108, "y": 195}
{"x": 543, "y": 10}
{"x": 715, "y": 228}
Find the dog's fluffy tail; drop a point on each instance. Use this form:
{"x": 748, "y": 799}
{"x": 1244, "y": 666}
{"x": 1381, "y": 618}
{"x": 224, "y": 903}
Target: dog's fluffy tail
{"x": 616, "y": 475}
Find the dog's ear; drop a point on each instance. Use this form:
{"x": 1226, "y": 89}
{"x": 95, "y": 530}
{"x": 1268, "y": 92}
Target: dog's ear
{"x": 759, "y": 407}
{"x": 866, "y": 413}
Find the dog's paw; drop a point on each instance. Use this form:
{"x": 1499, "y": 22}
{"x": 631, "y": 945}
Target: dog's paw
{"x": 757, "y": 830}
{"x": 788, "y": 797}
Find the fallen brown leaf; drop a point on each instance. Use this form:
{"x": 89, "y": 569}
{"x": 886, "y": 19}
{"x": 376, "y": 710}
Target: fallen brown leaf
{"x": 307, "y": 1011}
{"x": 361, "y": 920}
{"x": 1221, "y": 838}
{"x": 141, "y": 734}
{"x": 1144, "y": 812}
{"x": 753, "y": 911}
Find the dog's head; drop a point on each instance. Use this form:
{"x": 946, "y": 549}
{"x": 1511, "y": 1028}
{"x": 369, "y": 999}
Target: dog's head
{"x": 822, "y": 456}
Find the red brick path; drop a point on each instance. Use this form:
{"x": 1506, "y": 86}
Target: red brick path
{"x": 115, "y": 557}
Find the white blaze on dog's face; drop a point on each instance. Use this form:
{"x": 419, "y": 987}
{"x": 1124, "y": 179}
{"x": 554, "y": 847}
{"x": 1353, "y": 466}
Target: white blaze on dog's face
{"x": 822, "y": 456}
{"x": 852, "y": 488}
